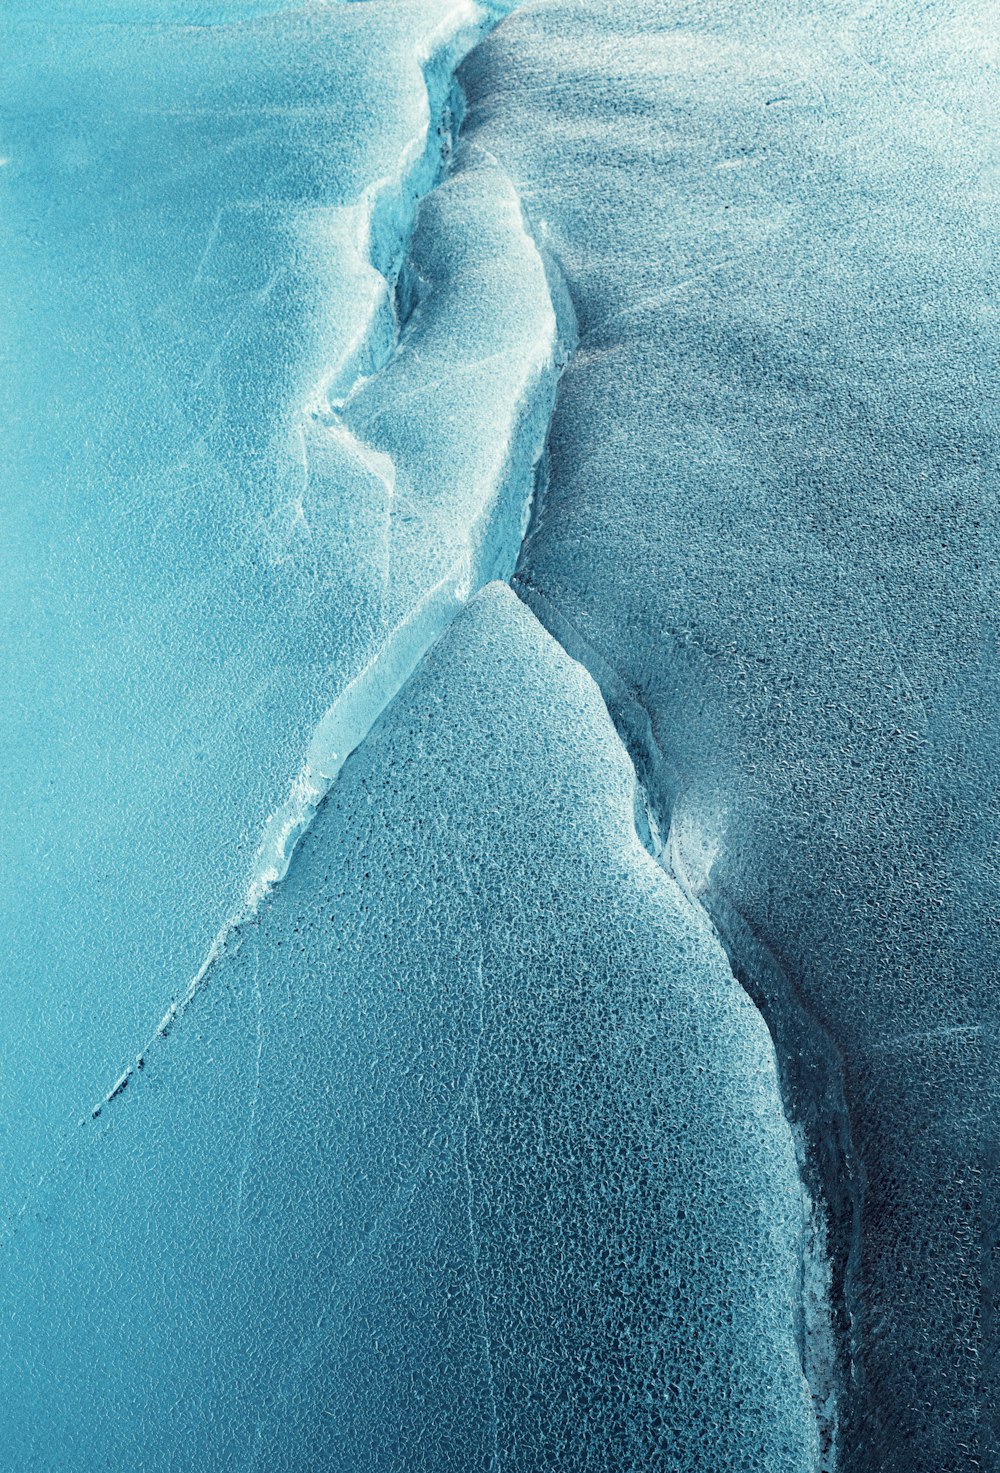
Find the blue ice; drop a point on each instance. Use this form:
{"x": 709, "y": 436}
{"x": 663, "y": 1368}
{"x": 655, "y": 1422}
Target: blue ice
{"x": 453, "y": 1025}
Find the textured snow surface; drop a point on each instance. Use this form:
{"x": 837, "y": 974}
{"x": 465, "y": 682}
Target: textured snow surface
{"x": 390, "y": 1079}
{"x": 460, "y": 1161}
{"x": 771, "y": 533}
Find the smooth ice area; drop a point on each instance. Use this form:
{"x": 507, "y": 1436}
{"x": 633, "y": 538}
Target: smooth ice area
{"x": 214, "y": 580}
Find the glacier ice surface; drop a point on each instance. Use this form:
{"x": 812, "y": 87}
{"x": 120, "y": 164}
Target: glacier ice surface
{"x": 473, "y": 1152}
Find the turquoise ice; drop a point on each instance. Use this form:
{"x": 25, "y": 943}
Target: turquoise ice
{"x": 472, "y": 1155}
{"x": 392, "y": 1079}
{"x": 202, "y": 616}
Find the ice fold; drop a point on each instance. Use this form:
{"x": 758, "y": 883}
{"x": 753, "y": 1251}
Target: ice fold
{"x": 480, "y": 1202}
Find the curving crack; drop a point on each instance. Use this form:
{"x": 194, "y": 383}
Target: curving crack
{"x": 812, "y": 1074}
{"x": 811, "y": 1069}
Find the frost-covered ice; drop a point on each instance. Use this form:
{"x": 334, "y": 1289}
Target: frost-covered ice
{"x": 458, "y": 1144}
{"x": 771, "y": 532}
{"x": 464, "y": 1155}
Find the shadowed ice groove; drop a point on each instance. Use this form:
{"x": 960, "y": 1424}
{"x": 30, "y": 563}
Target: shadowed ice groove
{"x": 472, "y": 1156}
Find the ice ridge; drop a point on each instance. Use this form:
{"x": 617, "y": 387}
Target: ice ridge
{"x": 385, "y": 219}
